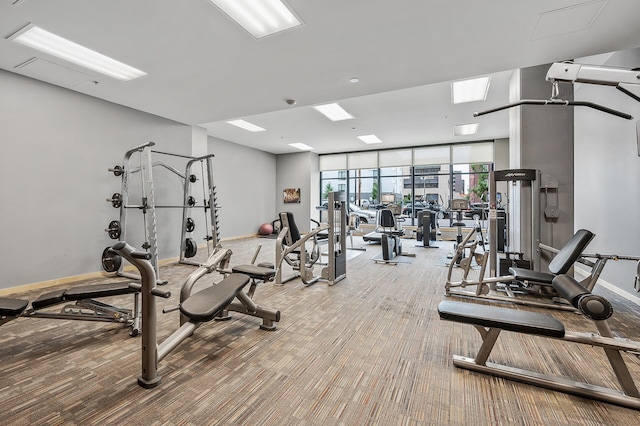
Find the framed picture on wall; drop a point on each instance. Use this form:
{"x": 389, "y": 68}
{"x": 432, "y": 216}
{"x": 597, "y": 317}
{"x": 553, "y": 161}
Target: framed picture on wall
{"x": 291, "y": 195}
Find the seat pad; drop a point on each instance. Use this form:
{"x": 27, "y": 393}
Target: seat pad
{"x": 12, "y": 307}
{"x": 206, "y": 304}
{"x": 503, "y": 318}
{"x": 255, "y": 272}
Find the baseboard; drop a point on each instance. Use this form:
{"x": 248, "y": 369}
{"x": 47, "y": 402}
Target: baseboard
{"x": 583, "y": 273}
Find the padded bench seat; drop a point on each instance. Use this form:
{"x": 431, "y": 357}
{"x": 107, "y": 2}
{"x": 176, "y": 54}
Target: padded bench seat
{"x": 255, "y": 272}
{"x": 98, "y": 290}
{"x": 93, "y": 291}
{"x": 12, "y": 307}
{"x": 502, "y": 318}
{"x": 523, "y": 274}
{"x": 204, "y": 305}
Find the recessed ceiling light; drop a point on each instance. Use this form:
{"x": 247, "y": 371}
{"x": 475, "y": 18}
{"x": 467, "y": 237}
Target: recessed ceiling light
{"x": 354, "y": 80}
{"x": 465, "y": 129}
{"x": 246, "y": 125}
{"x": 55, "y": 45}
{"x": 471, "y": 90}
{"x": 334, "y": 112}
{"x": 260, "y": 18}
{"x": 369, "y": 139}
{"x": 301, "y": 146}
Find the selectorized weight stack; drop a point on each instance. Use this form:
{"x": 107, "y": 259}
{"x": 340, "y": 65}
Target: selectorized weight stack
{"x": 528, "y": 179}
{"x": 117, "y": 229}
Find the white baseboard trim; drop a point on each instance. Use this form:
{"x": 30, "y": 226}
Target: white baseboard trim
{"x": 583, "y": 273}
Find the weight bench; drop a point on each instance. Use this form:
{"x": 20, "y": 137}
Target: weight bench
{"x": 195, "y": 309}
{"x": 523, "y": 280}
{"x": 205, "y": 305}
{"x": 561, "y": 263}
{"x": 491, "y": 320}
{"x": 85, "y": 308}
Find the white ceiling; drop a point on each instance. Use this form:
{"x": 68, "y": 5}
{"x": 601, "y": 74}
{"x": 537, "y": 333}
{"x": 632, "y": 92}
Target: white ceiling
{"x": 204, "y": 69}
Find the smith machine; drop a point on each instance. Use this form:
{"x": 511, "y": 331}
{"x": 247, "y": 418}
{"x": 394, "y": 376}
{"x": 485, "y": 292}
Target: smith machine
{"x": 117, "y": 229}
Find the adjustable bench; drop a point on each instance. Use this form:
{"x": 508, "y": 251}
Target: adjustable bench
{"x": 524, "y": 280}
{"x": 491, "y": 320}
{"x": 561, "y": 263}
{"x": 204, "y": 305}
{"x": 86, "y": 307}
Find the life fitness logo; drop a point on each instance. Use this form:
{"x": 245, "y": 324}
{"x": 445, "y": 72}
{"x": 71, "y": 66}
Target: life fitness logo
{"x": 516, "y": 174}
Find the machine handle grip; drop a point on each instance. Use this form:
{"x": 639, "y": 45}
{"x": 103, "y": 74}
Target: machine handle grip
{"x": 160, "y": 293}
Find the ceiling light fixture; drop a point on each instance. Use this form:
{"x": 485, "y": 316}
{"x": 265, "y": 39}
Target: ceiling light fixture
{"x": 259, "y": 17}
{"x": 369, "y": 139}
{"x": 334, "y": 112}
{"x": 246, "y": 125}
{"x": 301, "y": 146}
{"x": 354, "y": 80}
{"x": 475, "y": 89}
{"x": 55, "y": 45}
{"x": 465, "y": 129}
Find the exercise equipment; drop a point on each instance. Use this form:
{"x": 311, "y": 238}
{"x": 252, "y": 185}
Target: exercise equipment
{"x": 427, "y": 228}
{"x": 390, "y": 233}
{"x": 195, "y": 309}
{"x": 291, "y": 245}
{"x": 85, "y": 308}
{"x": 265, "y": 229}
{"x": 491, "y": 320}
{"x": 291, "y": 249}
{"x": 570, "y": 72}
{"x": 523, "y": 282}
{"x": 117, "y": 229}
{"x": 526, "y": 180}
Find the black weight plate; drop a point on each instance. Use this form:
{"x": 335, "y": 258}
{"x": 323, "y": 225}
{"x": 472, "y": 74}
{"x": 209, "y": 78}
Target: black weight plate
{"x": 117, "y": 170}
{"x": 191, "y": 201}
{"x": 190, "y": 248}
{"x": 114, "y": 230}
{"x": 111, "y": 262}
{"x": 191, "y": 225}
{"x": 116, "y": 200}
{"x": 192, "y": 178}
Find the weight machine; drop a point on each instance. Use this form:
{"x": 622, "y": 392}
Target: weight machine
{"x": 290, "y": 243}
{"x": 117, "y": 229}
{"x": 569, "y": 72}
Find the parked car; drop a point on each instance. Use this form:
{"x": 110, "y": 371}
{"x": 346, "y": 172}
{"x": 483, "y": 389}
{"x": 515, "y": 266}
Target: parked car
{"x": 479, "y": 211}
{"x": 365, "y": 216}
{"x": 409, "y": 208}
{"x": 419, "y": 206}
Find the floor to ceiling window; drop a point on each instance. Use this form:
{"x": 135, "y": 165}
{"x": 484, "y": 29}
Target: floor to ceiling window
{"x": 415, "y": 178}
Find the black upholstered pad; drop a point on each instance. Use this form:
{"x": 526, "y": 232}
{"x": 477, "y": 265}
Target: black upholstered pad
{"x": 48, "y": 299}
{"x": 206, "y": 304}
{"x": 571, "y": 251}
{"x": 96, "y": 291}
{"x": 502, "y": 318}
{"x": 255, "y": 272}
{"x": 523, "y": 274}
{"x": 12, "y": 307}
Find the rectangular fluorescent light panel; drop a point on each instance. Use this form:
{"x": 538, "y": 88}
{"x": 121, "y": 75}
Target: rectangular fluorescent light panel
{"x": 55, "y": 45}
{"x": 246, "y": 125}
{"x": 334, "y": 112}
{"x": 369, "y": 139}
{"x": 471, "y": 90}
{"x": 465, "y": 129}
{"x": 259, "y": 17}
{"x": 301, "y": 146}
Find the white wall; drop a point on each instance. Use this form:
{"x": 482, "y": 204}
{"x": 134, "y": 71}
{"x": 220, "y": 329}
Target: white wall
{"x": 297, "y": 171}
{"x": 55, "y": 150}
{"x": 607, "y": 175}
{"x": 245, "y": 183}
